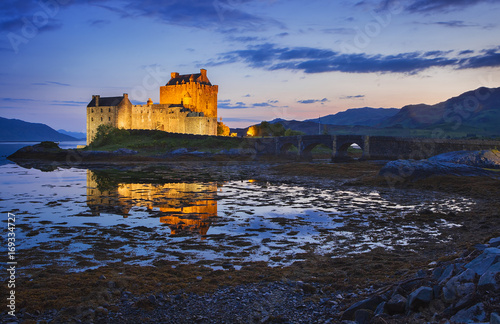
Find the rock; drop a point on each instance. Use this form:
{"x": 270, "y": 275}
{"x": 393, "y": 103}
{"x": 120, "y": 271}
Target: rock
{"x": 419, "y": 298}
{"x": 363, "y": 316}
{"x": 480, "y": 264}
{"x": 494, "y": 318}
{"x": 490, "y": 280}
{"x": 102, "y": 277}
{"x": 459, "y": 286}
{"x": 447, "y": 274}
{"x": 492, "y": 250}
{"x": 396, "y": 305}
{"x": 101, "y": 311}
{"x": 380, "y": 308}
{"x": 152, "y": 299}
{"x": 494, "y": 242}
{"x": 421, "y": 169}
{"x": 475, "y": 313}
{"x": 199, "y": 278}
{"x": 180, "y": 151}
{"x": 125, "y": 151}
{"x": 369, "y": 303}
{"x": 482, "y": 159}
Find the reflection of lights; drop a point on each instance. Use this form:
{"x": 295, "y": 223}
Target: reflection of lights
{"x": 252, "y": 180}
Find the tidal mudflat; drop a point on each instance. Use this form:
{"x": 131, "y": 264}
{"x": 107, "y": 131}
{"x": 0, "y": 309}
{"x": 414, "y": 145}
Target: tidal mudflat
{"x": 286, "y": 241}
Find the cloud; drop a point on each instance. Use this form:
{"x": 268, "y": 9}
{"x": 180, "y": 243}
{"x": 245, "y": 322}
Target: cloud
{"x": 426, "y": 6}
{"x": 311, "y": 101}
{"x": 455, "y": 24}
{"x": 52, "y": 83}
{"x": 316, "y": 60}
{"x": 226, "y": 16}
{"x": 98, "y": 22}
{"x": 227, "y": 104}
{"x": 352, "y": 97}
{"x": 68, "y": 103}
{"x": 488, "y": 58}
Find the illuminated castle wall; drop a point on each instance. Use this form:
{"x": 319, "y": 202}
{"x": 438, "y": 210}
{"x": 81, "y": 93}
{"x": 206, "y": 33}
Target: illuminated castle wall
{"x": 188, "y": 105}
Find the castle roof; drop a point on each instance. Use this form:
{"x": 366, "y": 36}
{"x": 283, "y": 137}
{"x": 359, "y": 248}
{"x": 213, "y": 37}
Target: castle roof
{"x": 98, "y": 101}
{"x": 185, "y": 78}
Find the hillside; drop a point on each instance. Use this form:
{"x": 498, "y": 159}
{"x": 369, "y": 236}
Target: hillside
{"x": 473, "y": 111}
{"x": 77, "y": 135}
{"x": 358, "y": 116}
{"x": 20, "y": 131}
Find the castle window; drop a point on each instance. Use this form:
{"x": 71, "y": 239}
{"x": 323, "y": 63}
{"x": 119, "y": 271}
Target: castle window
{"x": 92, "y": 110}
{"x": 109, "y": 109}
{"x": 101, "y": 109}
{"x": 109, "y": 118}
{"x": 101, "y": 118}
{"x": 91, "y": 118}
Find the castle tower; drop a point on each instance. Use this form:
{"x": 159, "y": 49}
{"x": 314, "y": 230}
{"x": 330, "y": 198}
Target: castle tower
{"x": 193, "y": 91}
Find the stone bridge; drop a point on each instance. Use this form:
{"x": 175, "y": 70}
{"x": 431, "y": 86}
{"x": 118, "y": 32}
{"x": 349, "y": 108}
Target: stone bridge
{"x": 374, "y": 147}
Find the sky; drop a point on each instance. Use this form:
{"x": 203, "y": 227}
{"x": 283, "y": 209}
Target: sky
{"x": 271, "y": 58}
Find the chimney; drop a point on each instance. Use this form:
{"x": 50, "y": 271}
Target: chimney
{"x": 203, "y": 73}
{"x": 96, "y": 97}
{"x": 125, "y": 96}
{"x": 174, "y": 75}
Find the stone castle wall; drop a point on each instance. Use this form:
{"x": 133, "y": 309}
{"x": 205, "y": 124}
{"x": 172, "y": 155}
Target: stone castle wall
{"x": 196, "y": 96}
{"x": 187, "y": 107}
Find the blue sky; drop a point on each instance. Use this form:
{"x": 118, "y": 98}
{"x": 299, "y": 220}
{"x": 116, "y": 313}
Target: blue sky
{"x": 271, "y": 58}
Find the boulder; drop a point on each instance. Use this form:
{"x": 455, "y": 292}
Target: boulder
{"x": 473, "y": 314}
{"x": 494, "y": 318}
{"x": 396, "y": 305}
{"x": 369, "y": 303}
{"x": 494, "y": 242}
{"x": 480, "y": 264}
{"x": 420, "y": 298}
{"x": 482, "y": 159}
{"x": 490, "y": 280}
{"x": 459, "y": 286}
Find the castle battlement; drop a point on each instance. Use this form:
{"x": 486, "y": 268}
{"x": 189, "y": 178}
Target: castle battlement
{"x": 188, "y": 104}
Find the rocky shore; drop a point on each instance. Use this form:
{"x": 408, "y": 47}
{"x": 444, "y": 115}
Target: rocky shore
{"x": 456, "y": 282}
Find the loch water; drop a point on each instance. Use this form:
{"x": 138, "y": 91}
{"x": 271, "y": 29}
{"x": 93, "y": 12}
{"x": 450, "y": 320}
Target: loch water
{"x": 80, "y": 219}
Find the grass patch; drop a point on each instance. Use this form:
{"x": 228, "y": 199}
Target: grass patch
{"x": 109, "y": 138}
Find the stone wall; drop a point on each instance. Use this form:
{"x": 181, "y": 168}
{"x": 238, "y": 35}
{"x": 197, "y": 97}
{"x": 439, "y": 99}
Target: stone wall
{"x": 198, "y": 97}
{"x": 96, "y": 116}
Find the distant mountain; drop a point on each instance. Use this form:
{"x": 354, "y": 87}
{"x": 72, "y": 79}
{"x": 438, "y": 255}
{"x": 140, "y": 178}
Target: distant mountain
{"x": 77, "y": 135}
{"x": 473, "y": 110}
{"x": 357, "y": 116}
{"x": 18, "y": 130}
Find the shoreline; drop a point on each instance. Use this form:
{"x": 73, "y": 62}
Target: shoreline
{"x": 305, "y": 291}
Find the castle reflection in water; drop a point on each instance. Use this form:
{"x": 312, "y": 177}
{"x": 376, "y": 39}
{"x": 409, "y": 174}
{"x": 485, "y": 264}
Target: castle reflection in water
{"x": 185, "y": 207}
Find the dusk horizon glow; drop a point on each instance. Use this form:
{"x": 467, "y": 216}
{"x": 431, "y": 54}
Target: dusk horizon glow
{"x": 271, "y": 58}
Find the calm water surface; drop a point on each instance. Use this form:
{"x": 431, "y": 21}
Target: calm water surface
{"x": 82, "y": 219}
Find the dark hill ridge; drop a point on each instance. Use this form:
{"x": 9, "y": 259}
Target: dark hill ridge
{"x": 20, "y": 131}
{"x": 473, "y": 113}
{"x": 358, "y": 116}
{"x": 479, "y": 109}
